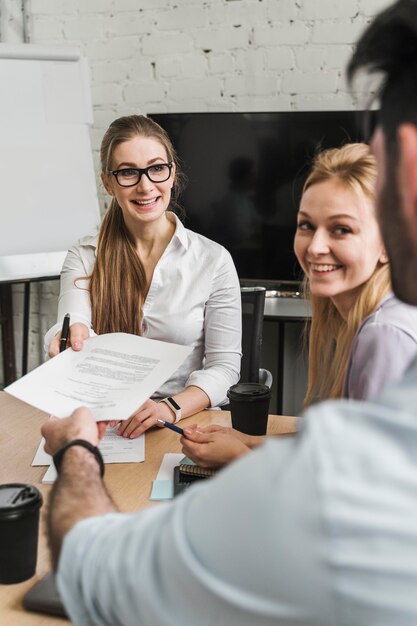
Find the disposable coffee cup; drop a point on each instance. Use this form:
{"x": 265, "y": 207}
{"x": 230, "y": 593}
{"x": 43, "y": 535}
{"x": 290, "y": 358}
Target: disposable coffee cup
{"x": 249, "y": 406}
{"x": 19, "y": 524}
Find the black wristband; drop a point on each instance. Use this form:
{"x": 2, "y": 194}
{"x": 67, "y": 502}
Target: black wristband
{"x": 58, "y": 456}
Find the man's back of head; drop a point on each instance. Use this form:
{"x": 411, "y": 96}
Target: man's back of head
{"x": 389, "y": 46}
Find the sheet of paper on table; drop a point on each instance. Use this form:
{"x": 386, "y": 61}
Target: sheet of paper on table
{"x": 113, "y": 375}
{"x": 114, "y": 448}
{"x": 163, "y": 485}
{"x": 50, "y": 475}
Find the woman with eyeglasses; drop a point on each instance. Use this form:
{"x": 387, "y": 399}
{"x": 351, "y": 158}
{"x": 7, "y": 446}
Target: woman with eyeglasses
{"x": 145, "y": 273}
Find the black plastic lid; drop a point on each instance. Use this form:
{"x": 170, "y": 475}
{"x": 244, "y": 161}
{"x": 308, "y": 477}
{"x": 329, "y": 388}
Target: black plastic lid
{"x": 249, "y": 392}
{"x": 18, "y": 498}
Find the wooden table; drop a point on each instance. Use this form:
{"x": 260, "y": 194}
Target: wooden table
{"x": 128, "y": 483}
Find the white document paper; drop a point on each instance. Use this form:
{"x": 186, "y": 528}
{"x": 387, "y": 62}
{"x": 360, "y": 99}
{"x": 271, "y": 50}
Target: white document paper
{"x": 118, "y": 449}
{"x": 114, "y": 449}
{"x": 166, "y": 470}
{"x": 41, "y": 457}
{"x": 113, "y": 375}
{"x": 163, "y": 485}
{"x": 50, "y": 475}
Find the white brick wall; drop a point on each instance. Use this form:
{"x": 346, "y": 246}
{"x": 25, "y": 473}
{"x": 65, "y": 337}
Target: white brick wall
{"x": 290, "y": 33}
{"x": 189, "y": 55}
{"x": 336, "y": 32}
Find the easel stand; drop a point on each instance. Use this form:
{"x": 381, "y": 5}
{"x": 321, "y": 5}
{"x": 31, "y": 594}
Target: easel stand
{"x": 50, "y": 125}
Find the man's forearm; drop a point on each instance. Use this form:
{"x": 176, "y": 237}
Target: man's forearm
{"x": 78, "y": 493}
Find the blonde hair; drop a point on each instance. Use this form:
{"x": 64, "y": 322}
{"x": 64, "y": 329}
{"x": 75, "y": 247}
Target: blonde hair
{"x": 331, "y": 336}
{"x": 118, "y": 283}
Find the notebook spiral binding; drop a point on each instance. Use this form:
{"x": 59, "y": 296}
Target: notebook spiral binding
{"x": 196, "y": 470}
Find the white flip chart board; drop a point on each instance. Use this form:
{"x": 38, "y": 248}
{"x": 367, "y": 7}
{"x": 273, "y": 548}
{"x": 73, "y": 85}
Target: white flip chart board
{"x": 48, "y": 191}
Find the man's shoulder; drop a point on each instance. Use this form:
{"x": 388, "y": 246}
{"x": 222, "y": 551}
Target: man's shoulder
{"x": 365, "y": 430}
{"x": 365, "y": 469}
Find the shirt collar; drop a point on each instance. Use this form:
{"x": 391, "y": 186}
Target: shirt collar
{"x": 180, "y": 230}
{"x": 180, "y": 234}
{"x": 90, "y": 241}
{"x": 388, "y": 296}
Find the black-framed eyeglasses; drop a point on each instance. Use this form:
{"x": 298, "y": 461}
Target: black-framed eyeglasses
{"x": 130, "y": 176}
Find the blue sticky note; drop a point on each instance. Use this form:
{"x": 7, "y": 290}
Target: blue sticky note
{"x": 162, "y": 490}
{"x": 186, "y": 461}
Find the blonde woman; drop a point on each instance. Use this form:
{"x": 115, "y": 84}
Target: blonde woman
{"x": 145, "y": 273}
{"x": 361, "y": 337}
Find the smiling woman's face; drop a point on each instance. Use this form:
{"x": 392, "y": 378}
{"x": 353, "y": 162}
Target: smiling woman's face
{"x": 338, "y": 243}
{"x": 147, "y": 201}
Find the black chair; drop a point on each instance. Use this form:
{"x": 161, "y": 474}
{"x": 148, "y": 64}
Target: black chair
{"x": 253, "y": 303}
{"x": 7, "y": 335}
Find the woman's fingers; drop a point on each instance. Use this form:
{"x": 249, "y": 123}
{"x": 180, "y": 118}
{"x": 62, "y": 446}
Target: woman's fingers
{"x": 78, "y": 334}
{"x": 54, "y": 345}
{"x": 137, "y": 424}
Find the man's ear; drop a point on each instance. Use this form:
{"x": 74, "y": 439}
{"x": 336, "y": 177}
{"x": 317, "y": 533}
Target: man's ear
{"x": 106, "y": 183}
{"x": 407, "y": 176}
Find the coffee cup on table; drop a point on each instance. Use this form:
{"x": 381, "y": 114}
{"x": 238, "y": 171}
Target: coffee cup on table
{"x": 249, "y": 406}
{"x": 19, "y": 524}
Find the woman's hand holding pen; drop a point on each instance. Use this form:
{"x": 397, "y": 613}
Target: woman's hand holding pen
{"x": 78, "y": 334}
{"x": 251, "y": 441}
{"x": 213, "y": 446}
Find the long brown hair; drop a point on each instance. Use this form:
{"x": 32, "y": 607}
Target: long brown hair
{"x": 331, "y": 336}
{"x": 118, "y": 281}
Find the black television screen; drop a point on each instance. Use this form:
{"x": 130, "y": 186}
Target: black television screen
{"x": 245, "y": 174}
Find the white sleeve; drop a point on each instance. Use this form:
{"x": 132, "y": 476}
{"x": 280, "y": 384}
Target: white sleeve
{"x": 243, "y": 548}
{"x": 74, "y": 297}
{"x": 222, "y": 334}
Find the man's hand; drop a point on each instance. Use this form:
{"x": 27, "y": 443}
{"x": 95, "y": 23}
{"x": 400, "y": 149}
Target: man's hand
{"x": 145, "y": 418}
{"x": 80, "y": 425}
{"x": 79, "y": 491}
{"x": 212, "y": 447}
{"x": 78, "y": 334}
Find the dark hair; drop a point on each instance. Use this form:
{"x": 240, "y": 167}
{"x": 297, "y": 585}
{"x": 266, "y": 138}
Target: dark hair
{"x": 389, "y": 45}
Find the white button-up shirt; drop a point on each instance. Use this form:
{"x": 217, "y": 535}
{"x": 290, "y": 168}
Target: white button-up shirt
{"x": 193, "y": 300}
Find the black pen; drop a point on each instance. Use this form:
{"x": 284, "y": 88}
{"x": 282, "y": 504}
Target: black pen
{"x": 64, "y": 333}
{"x": 177, "y": 429}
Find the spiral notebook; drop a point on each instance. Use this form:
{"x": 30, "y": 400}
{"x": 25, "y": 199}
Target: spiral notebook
{"x": 185, "y": 474}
